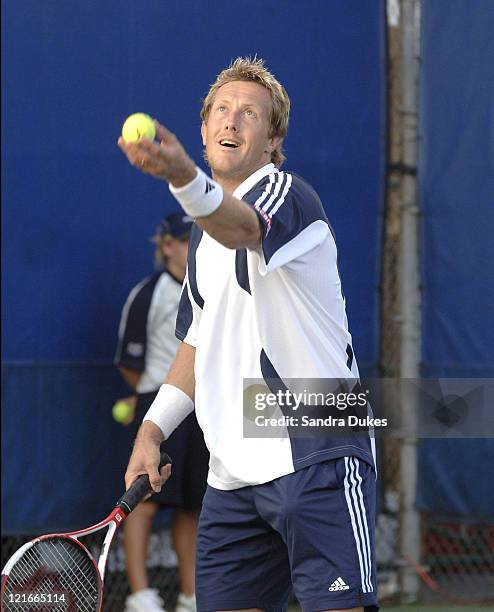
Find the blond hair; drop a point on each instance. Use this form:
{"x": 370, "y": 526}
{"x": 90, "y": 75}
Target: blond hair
{"x": 160, "y": 260}
{"x": 253, "y": 70}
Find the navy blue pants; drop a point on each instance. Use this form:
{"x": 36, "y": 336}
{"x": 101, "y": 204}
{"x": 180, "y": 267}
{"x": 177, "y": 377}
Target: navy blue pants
{"x": 312, "y": 530}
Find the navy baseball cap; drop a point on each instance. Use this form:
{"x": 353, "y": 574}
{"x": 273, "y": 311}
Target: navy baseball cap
{"x": 176, "y": 225}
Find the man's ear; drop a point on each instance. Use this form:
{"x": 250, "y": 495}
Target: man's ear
{"x": 203, "y": 133}
{"x": 273, "y": 143}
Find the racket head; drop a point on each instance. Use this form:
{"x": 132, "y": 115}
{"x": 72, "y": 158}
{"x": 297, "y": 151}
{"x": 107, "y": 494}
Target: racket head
{"x": 57, "y": 569}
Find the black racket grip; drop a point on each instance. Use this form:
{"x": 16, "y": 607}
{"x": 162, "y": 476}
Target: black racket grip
{"x": 141, "y": 487}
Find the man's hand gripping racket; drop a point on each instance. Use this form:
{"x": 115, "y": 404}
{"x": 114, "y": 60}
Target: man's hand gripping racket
{"x": 57, "y": 572}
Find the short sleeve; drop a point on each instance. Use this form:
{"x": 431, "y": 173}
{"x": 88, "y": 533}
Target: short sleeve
{"x": 132, "y": 333}
{"x": 292, "y": 216}
{"x": 191, "y": 302}
{"x": 188, "y": 316}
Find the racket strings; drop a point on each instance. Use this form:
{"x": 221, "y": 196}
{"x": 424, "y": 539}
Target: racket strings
{"x": 80, "y": 578}
{"x": 57, "y": 570}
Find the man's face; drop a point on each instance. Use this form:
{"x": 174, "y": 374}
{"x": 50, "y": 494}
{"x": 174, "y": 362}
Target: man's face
{"x": 236, "y": 135}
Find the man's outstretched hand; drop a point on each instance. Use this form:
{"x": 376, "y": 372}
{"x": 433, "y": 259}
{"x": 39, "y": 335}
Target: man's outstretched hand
{"x": 166, "y": 159}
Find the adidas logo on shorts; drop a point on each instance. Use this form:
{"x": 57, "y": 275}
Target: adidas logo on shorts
{"x": 339, "y": 585}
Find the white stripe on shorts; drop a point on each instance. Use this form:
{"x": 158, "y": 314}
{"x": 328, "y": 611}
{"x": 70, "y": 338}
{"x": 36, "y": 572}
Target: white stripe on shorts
{"x": 364, "y": 519}
{"x": 353, "y": 493}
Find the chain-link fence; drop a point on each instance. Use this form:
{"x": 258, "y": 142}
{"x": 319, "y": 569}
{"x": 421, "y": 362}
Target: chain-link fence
{"x": 162, "y": 566}
{"x": 457, "y": 564}
{"x": 459, "y": 560}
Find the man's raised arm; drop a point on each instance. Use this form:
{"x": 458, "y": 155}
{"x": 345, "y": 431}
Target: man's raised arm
{"x": 234, "y": 224}
{"x": 227, "y": 219}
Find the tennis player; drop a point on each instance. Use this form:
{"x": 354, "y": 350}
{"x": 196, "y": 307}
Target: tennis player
{"x": 261, "y": 299}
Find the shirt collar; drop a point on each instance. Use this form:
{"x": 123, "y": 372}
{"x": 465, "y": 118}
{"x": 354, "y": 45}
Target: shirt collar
{"x": 253, "y": 179}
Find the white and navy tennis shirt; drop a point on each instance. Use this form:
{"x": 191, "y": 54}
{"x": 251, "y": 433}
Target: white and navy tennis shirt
{"x": 146, "y": 338}
{"x": 273, "y": 312}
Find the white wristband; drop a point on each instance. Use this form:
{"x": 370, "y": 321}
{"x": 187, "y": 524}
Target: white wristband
{"x": 199, "y": 198}
{"x": 169, "y": 409}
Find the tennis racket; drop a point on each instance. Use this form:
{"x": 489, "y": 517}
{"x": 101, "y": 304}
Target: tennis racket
{"x": 56, "y": 572}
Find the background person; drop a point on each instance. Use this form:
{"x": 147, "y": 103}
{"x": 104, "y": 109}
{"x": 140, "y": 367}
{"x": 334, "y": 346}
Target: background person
{"x": 147, "y": 346}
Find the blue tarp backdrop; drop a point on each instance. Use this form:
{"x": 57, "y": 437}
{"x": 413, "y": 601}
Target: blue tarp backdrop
{"x": 456, "y": 182}
{"x": 76, "y": 216}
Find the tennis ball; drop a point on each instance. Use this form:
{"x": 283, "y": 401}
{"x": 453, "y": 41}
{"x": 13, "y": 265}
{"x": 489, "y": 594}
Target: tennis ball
{"x": 121, "y": 411}
{"x": 138, "y": 125}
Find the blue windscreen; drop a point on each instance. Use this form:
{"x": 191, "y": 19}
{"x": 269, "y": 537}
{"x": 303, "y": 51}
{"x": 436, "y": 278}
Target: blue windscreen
{"x": 456, "y": 182}
{"x": 77, "y": 217}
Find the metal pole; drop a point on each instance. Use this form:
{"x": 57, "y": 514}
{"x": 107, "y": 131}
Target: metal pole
{"x": 410, "y": 350}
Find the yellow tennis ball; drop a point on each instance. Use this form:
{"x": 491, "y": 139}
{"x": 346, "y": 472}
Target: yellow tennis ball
{"x": 137, "y": 126}
{"x": 121, "y": 411}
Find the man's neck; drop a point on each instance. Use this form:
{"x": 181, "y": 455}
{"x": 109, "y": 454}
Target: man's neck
{"x": 231, "y": 181}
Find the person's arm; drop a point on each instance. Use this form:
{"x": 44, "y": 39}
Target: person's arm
{"x": 146, "y": 452}
{"x": 234, "y": 224}
{"x": 181, "y": 372}
{"x": 131, "y": 377}
{"x": 132, "y": 331}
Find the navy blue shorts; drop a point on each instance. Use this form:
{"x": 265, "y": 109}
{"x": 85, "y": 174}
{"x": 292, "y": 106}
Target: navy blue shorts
{"x": 313, "y": 530}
